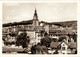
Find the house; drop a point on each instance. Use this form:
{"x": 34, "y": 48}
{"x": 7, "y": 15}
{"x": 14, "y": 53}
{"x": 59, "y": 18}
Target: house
{"x": 60, "y": 46}
{"x": 63, "y": 47}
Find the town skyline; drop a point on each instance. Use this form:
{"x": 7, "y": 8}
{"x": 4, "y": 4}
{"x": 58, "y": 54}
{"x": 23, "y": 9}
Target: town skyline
{"x": 38, "y": 36}
{"x": 47, "y": 12}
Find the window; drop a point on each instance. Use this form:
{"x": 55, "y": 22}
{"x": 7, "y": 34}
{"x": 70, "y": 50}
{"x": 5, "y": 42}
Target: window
{"x": 63, "y": 48}
{"x": 63, "y": 44}
{"x": 51, "y": 34}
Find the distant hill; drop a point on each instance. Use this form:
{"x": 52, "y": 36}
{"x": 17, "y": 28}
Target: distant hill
{"x": 63, "y": 24}
{"x": 18, "y": 23}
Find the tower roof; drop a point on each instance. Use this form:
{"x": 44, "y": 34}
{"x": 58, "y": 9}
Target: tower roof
{"x": 35, "y": 14}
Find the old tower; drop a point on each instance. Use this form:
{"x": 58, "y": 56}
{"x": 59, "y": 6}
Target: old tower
{"x": 35, "y": 19}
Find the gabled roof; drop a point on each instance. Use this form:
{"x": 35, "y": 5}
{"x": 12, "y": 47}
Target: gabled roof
{"x": 64, "y": 42}
{"x": 56, "y": 44}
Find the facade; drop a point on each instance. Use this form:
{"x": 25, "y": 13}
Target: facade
{"x": 64, "y": 47}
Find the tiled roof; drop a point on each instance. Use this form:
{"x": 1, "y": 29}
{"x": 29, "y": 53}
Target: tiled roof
{"x": 69, "y": 44}
{"x": 73, "y": 45}
{"x": 61, "y": 31}
{"x": 54, "y": 44}
{"x": 64, "y": 42}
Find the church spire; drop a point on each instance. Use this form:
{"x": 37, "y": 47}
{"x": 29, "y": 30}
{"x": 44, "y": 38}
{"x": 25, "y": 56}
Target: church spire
{"x": 35, "y": 14}
{"x": 35, "y": 19}
{"x": 35, "y": 10}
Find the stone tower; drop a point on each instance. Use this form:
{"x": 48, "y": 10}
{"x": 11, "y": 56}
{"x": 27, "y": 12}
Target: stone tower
{"x": 35, "y": 19}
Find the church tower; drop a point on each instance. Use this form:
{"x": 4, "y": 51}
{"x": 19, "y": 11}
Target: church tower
{"x": 35, "y": 19}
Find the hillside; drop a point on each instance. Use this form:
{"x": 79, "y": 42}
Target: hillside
{"x": 66, "y": 23}
{"x": 63, "y": 24}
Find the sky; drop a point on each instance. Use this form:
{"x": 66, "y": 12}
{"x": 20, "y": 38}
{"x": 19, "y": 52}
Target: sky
{"x": 48, "y": 12}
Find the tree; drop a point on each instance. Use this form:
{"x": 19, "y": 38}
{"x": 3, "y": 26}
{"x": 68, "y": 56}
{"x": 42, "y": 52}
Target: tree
{"x": 76, "y": 52}
{"x": 46, "y": 41}
{"x": 45, "y": 34}
{"x": 61, "y": 38}
{"x": 56, "y": 52}
{"x": 74, "y": 36}
{"x": 22, "y": 40}
{"x": 69, "y": 35}
{"x": 39, "y": 49}
{"x": 54, "y": 39}
{"x": 13, "y": 34}
{"x": 44, "y": 49}
{"x": 42, "y": 32}
{"x": 33, "y": 49}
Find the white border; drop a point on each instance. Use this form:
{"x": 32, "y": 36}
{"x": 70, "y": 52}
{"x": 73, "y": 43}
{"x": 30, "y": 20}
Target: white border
{"x": 40, "y": 1}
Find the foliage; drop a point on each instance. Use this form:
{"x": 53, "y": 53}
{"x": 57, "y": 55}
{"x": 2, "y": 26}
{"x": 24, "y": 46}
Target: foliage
{"x": 45, "y": 34}
{"x": 23, "y": 40}
{"x": 46, "y": 41}
{"x": 39, "y": 49}
{"x": 33, "y": 49}
{"x": 74, "y": 36}
{"x": 9, "y": 43}
{"x": 56, "y": 52}
{"x": 13, "y": 34}
{"x": 61, "y": 38}
{"x": 54, "y": 39}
